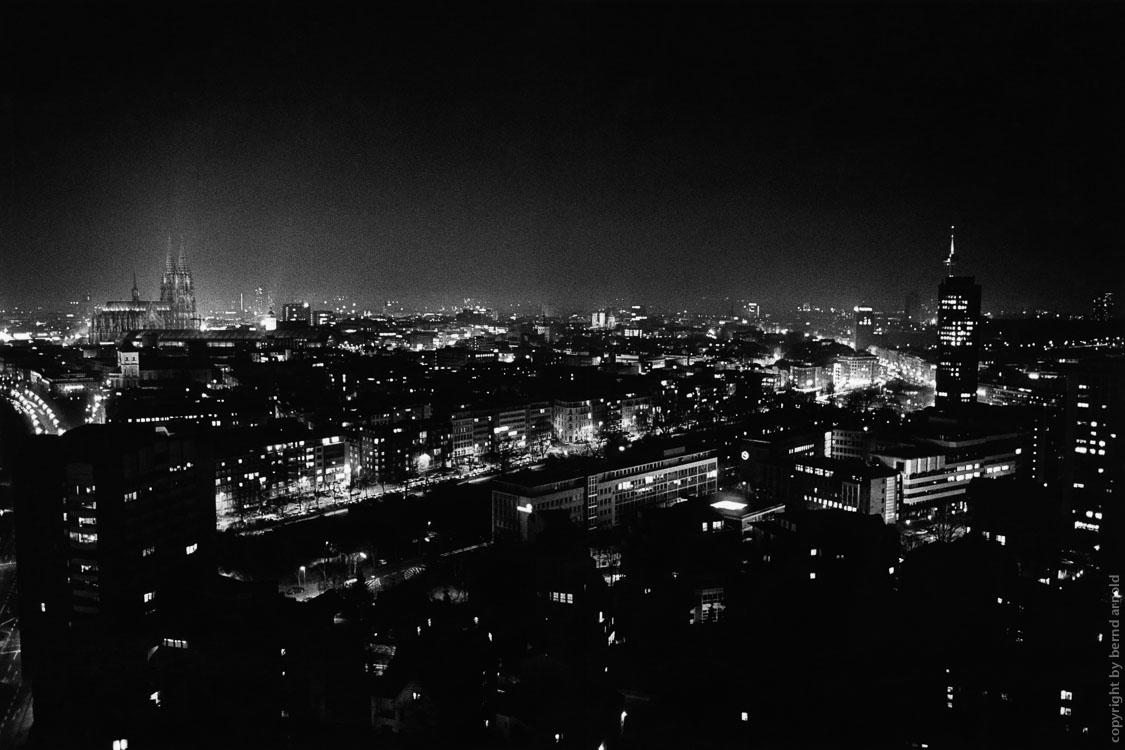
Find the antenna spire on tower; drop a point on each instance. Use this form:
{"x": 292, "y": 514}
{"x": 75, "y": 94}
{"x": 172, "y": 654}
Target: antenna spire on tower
{"x": 951, "y": 261}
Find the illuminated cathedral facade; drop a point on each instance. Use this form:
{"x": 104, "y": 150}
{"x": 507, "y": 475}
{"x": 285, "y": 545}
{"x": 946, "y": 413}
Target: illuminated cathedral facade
{"x": 175, "y": 310}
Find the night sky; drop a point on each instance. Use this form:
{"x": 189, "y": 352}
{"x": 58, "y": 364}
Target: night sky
{"x": 567, "y": 153}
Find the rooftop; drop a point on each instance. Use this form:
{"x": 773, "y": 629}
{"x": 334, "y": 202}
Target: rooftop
{"x": 562, "y": 470}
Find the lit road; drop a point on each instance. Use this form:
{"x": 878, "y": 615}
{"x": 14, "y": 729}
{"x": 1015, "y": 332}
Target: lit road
{"x": 43, "y": 419}
{"x": 15, "y": 697}
{"x": 313, "y": 580}
{"x": 257, "y": 523}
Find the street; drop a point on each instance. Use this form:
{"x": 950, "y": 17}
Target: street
{"x": 15, "y": 696}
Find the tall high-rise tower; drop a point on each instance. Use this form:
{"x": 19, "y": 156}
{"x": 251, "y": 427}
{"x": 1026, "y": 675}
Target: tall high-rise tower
{"x": 864, "y": 327}
{"x": 177, "y": 288}
{"x": 116, "y": 527}
{"x": 958, "y": 337}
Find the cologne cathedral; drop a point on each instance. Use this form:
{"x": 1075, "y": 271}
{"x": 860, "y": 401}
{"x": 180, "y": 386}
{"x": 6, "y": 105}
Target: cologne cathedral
{"x": 175, "y": 310}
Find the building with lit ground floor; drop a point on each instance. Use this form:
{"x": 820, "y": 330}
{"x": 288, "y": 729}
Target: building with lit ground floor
{"x": 601, "y": 494}
{"x": 257, "y": 468}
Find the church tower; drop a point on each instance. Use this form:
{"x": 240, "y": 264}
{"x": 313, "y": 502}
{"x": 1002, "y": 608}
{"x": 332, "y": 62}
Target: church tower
{"x": 178, "y": 290}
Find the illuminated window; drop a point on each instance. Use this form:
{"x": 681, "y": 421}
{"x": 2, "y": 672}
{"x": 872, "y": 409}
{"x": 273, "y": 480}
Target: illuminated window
{"x": 148, "y": 551}
{"x": 812, "y": 576}
{"x": 121, "y": 745}
{"x": 149, "y": 596}
{"x": 190, "y": 549}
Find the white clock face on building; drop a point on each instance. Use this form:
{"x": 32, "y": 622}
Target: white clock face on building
{"x": 745, "y": 455}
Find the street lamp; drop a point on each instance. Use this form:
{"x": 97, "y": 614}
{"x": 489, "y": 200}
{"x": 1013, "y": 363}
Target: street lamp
{"x": 301, "y": 575}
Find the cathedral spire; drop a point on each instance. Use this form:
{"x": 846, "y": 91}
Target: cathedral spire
{"x": 951, "y": 261}
{"x": 168, "y": 267}
{"x": 181, "y": 261}
{"x": 136, "y": 292}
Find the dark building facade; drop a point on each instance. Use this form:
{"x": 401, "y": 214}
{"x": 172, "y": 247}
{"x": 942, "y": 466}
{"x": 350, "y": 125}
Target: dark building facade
{"x": 1092, "y": 464}
{"x": 864, "y": 327}
{"x": 174, "y": 310}
{"x": 296, "y": 312}
{"x": 116, "y": 526}
{"x": 1105, "y": 307}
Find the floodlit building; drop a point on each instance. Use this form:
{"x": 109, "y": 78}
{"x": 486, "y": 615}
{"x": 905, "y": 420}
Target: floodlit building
{"x": 174, "y": 310}
{"x": 857, "y": 371}
{"x": 578, "y": 420}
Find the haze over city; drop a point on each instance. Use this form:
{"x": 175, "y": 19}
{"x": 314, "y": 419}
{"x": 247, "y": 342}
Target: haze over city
{"x": 567, "y": 154}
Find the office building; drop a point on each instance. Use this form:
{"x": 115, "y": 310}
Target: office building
{"x": 766, "y": 460}
{"x": 864, "y": 326}
{"x": 603, "y": 319}
{"x": 602, "y": 494}
{"x": 1092, "y": 460}
{"x": 820, "y": 482}
{"x": 912, "y": 308}
{"x": 296, "y": 313}
{"x": 958, "y": 338}
{"x": 936, "y": 471}
{"x": 116, "y": 528}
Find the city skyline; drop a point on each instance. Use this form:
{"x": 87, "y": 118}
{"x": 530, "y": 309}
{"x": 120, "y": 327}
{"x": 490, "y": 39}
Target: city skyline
{"x": 764, "y": 153}
{"x": 567, "y": 374}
